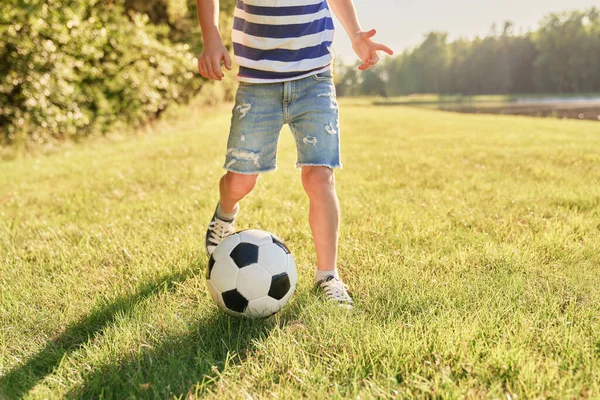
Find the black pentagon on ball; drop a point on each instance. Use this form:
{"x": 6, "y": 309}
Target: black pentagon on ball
{"x": 244, "y": 254}
{"x": 235, "y": 301}
{"x": 280, "y": 286}
{"x": 281, "y": 244}
{"x": 211, "y": 264}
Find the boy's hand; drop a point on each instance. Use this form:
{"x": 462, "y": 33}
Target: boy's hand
{"x": 366, "y": 49}
{"x": 209, "y": 62}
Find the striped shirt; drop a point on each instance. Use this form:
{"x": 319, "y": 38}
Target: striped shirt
{"x": 281, "y": 40}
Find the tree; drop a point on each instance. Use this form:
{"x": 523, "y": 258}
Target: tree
{"x": 372, "y": 84}
{"x": 73, "y": 68}
{"x": 562, "y": 56}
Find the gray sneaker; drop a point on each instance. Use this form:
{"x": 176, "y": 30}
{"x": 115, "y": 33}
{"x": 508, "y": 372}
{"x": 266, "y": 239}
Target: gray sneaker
{"x": 336, "y": 290}
{"x": 218, "y": 229}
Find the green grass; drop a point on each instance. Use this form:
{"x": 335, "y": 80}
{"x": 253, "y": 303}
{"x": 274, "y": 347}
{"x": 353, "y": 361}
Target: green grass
{"x": 435, "y": 99}
{"x": 471, "y": 244}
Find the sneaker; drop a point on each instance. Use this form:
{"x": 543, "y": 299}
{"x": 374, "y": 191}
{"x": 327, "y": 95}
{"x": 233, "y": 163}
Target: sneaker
{"x": 336, "y": 290}
{"x": 218, "y": 229}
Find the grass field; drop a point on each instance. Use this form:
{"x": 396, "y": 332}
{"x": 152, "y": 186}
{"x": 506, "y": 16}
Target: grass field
{"x": 471, "y": 245}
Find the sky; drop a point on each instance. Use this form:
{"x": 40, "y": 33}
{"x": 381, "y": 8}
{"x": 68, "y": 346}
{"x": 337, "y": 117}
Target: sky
{"x": 402, "y": 24}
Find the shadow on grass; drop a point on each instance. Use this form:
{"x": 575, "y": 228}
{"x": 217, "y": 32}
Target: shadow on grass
{"x": 21, "y": 379}
{"x": 179, "y": 366}
{"x": 185, "y": 366}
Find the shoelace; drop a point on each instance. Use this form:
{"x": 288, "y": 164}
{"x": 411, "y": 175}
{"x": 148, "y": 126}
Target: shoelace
{"x": 336, "y": 290}
{"x": 219, "y": 230}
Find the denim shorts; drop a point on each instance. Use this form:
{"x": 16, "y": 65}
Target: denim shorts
{"x": 307, "y": 105}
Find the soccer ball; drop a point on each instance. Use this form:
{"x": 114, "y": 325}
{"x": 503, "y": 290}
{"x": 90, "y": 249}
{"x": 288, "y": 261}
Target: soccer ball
{"x": 251, "y": 273}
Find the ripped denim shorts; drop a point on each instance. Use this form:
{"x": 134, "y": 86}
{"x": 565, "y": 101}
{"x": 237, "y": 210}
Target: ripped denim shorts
{"x": 308, "y": 105}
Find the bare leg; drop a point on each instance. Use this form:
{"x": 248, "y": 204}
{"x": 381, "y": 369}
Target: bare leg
{"x": 234, "y": 187}
{"x": 323, "y": 215}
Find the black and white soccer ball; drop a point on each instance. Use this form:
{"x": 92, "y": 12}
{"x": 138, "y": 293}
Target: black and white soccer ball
{"x": 251, "y": 273}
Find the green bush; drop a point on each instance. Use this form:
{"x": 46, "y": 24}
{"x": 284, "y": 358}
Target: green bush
{"x": 69, "y": 69}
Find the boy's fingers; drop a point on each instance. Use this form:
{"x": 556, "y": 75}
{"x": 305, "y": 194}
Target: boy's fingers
{"x": 370, "y": 33}
{"x": 369, "y": 62}
{"x": 209, "y": 71}
{"x": 216, "y": 67}
{"x": 214, "y": 72}
{"x": 386, "y": 49}
{"x": 203, "y": 69}
{"x": 227, "y": 60}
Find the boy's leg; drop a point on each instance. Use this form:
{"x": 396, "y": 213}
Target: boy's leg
{"x": 234, "y": 187}
{"x": 324, "y": 219}
{"x": 314, "y": 123}
{"x": 323, "y": 214}
{"x": 256, "y": 122}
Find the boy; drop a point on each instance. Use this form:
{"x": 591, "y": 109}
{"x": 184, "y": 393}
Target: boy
{"x": 283, "y": 50}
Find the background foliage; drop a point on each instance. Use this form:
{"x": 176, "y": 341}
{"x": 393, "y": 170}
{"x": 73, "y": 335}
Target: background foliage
{"x": 562, "y": 56}
{"x": 73, "y": 68}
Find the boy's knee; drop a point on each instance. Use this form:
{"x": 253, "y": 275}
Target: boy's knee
{"x": 317, "y": 179}
{"x": 239, "y": 183}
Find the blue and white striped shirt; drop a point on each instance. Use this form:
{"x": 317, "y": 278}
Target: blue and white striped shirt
{"x": 281, "y": 40}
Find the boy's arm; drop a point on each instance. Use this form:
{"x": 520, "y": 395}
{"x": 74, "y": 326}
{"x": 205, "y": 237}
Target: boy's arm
{"x": 362, "y": 44}
{"x": 213, "y": 52}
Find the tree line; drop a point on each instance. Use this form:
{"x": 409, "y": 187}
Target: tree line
{"x": 561, "y": 56}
